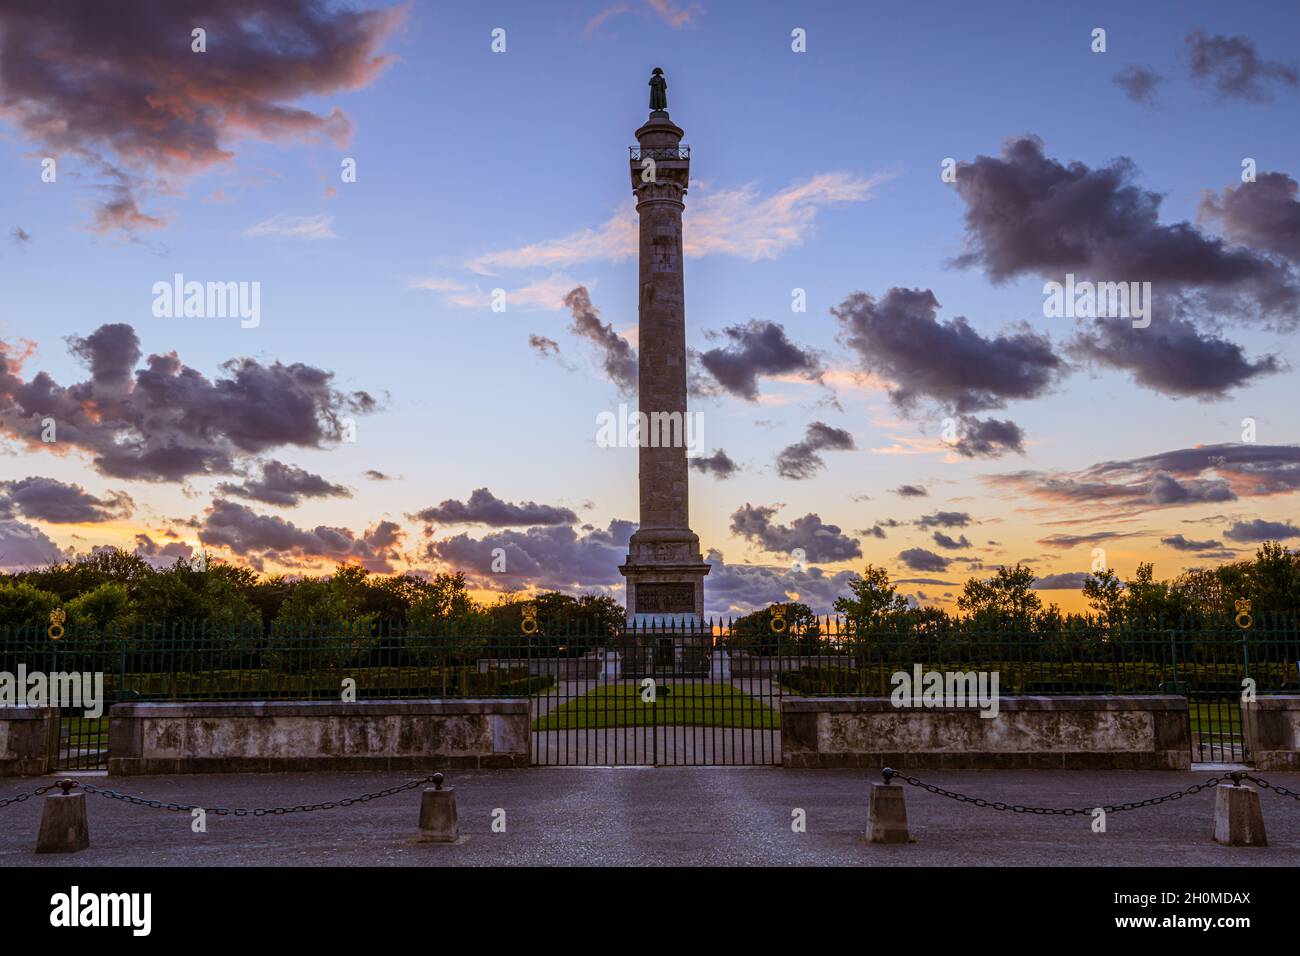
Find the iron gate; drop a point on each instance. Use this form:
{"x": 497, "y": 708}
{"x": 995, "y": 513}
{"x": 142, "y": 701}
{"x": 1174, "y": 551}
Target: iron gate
{"x": 659, "y": 698}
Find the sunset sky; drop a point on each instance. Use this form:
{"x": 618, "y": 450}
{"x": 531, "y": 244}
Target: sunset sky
{"x": 923, "y": 413}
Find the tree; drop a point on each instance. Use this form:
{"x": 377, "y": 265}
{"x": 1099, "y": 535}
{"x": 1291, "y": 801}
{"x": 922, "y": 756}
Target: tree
{"x": 391, "y": 597}
{"x": 86, "y": 572}
{"x": 443, "y": 600}
{"x": 104, "y": 611}
{"x": 22, "y": 605}
{"x": 1146, "y": 599}
{"x": 1273, "y": 580}
{"x": 1105, "y": 592}
{"x": 873, "y": 596}
{"x": 753, "y": 632}
{"x": 336, "y": 602}
{"x": 269, "y": 594}
{"x": 183, "y": 595}
{"x": 1006, "y": 595}
{"x": 1207, "y": 592}
{"x": 323, "y": 622}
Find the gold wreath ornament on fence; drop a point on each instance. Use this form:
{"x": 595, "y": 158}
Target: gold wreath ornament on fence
{"x": 1243, "y": 618}
{"x": 57, "y": 617}
{"x": 528, "y": 626}
{"x": 778, "y": 618}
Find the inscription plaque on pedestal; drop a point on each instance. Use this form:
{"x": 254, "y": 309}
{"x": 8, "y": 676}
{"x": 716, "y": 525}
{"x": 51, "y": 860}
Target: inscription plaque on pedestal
{"x": 665, "y": 598}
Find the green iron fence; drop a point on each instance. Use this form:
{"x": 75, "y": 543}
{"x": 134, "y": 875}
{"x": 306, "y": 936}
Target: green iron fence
{"x": 716, "y": 688}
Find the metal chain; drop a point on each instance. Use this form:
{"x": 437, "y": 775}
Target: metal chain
{"x": 1235, "y": 778}
{"x": 20, "y": 797}
{"x": 1276, "y": 788}
{"x": 435, "y": 778}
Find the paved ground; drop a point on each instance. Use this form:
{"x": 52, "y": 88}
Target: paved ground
{"x": 651, "y": 816}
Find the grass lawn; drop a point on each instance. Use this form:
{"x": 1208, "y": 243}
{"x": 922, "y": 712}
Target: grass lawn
{"x": 686, "y": 705}
{"x": 1210, "y": 717}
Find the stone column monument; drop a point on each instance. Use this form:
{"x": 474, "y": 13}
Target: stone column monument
{"x": 664, "y": 569}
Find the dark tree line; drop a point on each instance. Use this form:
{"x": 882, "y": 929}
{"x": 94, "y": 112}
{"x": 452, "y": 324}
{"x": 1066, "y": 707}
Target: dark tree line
{"x": 112, "y": 589}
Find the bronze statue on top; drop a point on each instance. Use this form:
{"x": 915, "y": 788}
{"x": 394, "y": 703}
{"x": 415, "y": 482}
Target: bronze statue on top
{"x": 658, "y": 90}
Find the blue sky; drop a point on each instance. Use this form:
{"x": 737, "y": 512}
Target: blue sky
{"x": 816, "y": 170}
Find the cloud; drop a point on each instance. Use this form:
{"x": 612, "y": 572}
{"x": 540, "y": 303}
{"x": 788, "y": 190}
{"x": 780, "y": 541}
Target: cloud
{"x": 911, "y": 491}
{"x": 167, "y": 421}
{"x": 295, "y": 227}
{"x": 46, "y": 499}
{"x": 158, "y": 555}
{"x": 374, "y": 475}
{"x": 667, "y": 11}
{"x": 919, "y": 559}
{"x": 485, "y": 508}
{"x": 24, "y": 546}
{"x": 943, "y": 541}
{"x": 672, "y": 14}
{"x": 1027, "y": 214}
{"x": 1073, "y": 540}
{"x": 548, "y": 348}
{"x": 737, "y": 222}
{"x": 1066, "y": 581}
{"x": 757, "y": 348}
{"x": 1205, "y": 473}
{"x": 1179, "y": 543}
{"x": 801, "y": 460}
{"x": 543, "y": 346}
{"x": 719, "y": 464}
{"x": 820, "y": 542}
{"x": 121, "y": 90}
{"x": 438, "y": 285}
{"x": 541, "y": 295}
{"x": 556, "y": 558}
{"x": 261, "y": 538}
{"x": 743, "y": 588}
{"x": 1261, "y": 530}
{"x": 110, "y": 352}
{"x": 1234, "y": 67}
{"x": 282, "y": 484}
{"x": 988, "y": 437}
{"x": 1171, "y": 356}
{"x": 1138, "y": 84}
{"x": 599, "y": 19}
{"x": 618, "y": 357}
{"x": 944, "y": 519}
{"x": 1263, "y": 214}
{"x": 900, "y": 338}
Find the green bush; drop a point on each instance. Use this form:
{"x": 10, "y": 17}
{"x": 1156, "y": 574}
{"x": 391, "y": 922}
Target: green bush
{"x": 22, "y": 605}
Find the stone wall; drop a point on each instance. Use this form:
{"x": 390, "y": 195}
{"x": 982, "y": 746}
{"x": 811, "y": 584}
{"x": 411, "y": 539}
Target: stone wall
{"x": 1057, "y": 733}
{"x": 255, "y": 736}
{"x": 29, "y": 740}
{"x": 1272, "y": 726}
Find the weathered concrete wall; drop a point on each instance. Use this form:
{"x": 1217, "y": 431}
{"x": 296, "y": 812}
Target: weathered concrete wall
{"x": 1272, "y": 727}
{"x": 29, "y": 740}
{"x": 1057, "y": 733}
{"x": 243, "y": 737}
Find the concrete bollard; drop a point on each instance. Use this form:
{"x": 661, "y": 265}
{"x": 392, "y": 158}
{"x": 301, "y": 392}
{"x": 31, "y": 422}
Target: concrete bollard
{"x": 63, "y": 822}
{"x": 1238, "y": 817}
{"x": 438, "y": 814}
{"x": 887, "y": 814}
